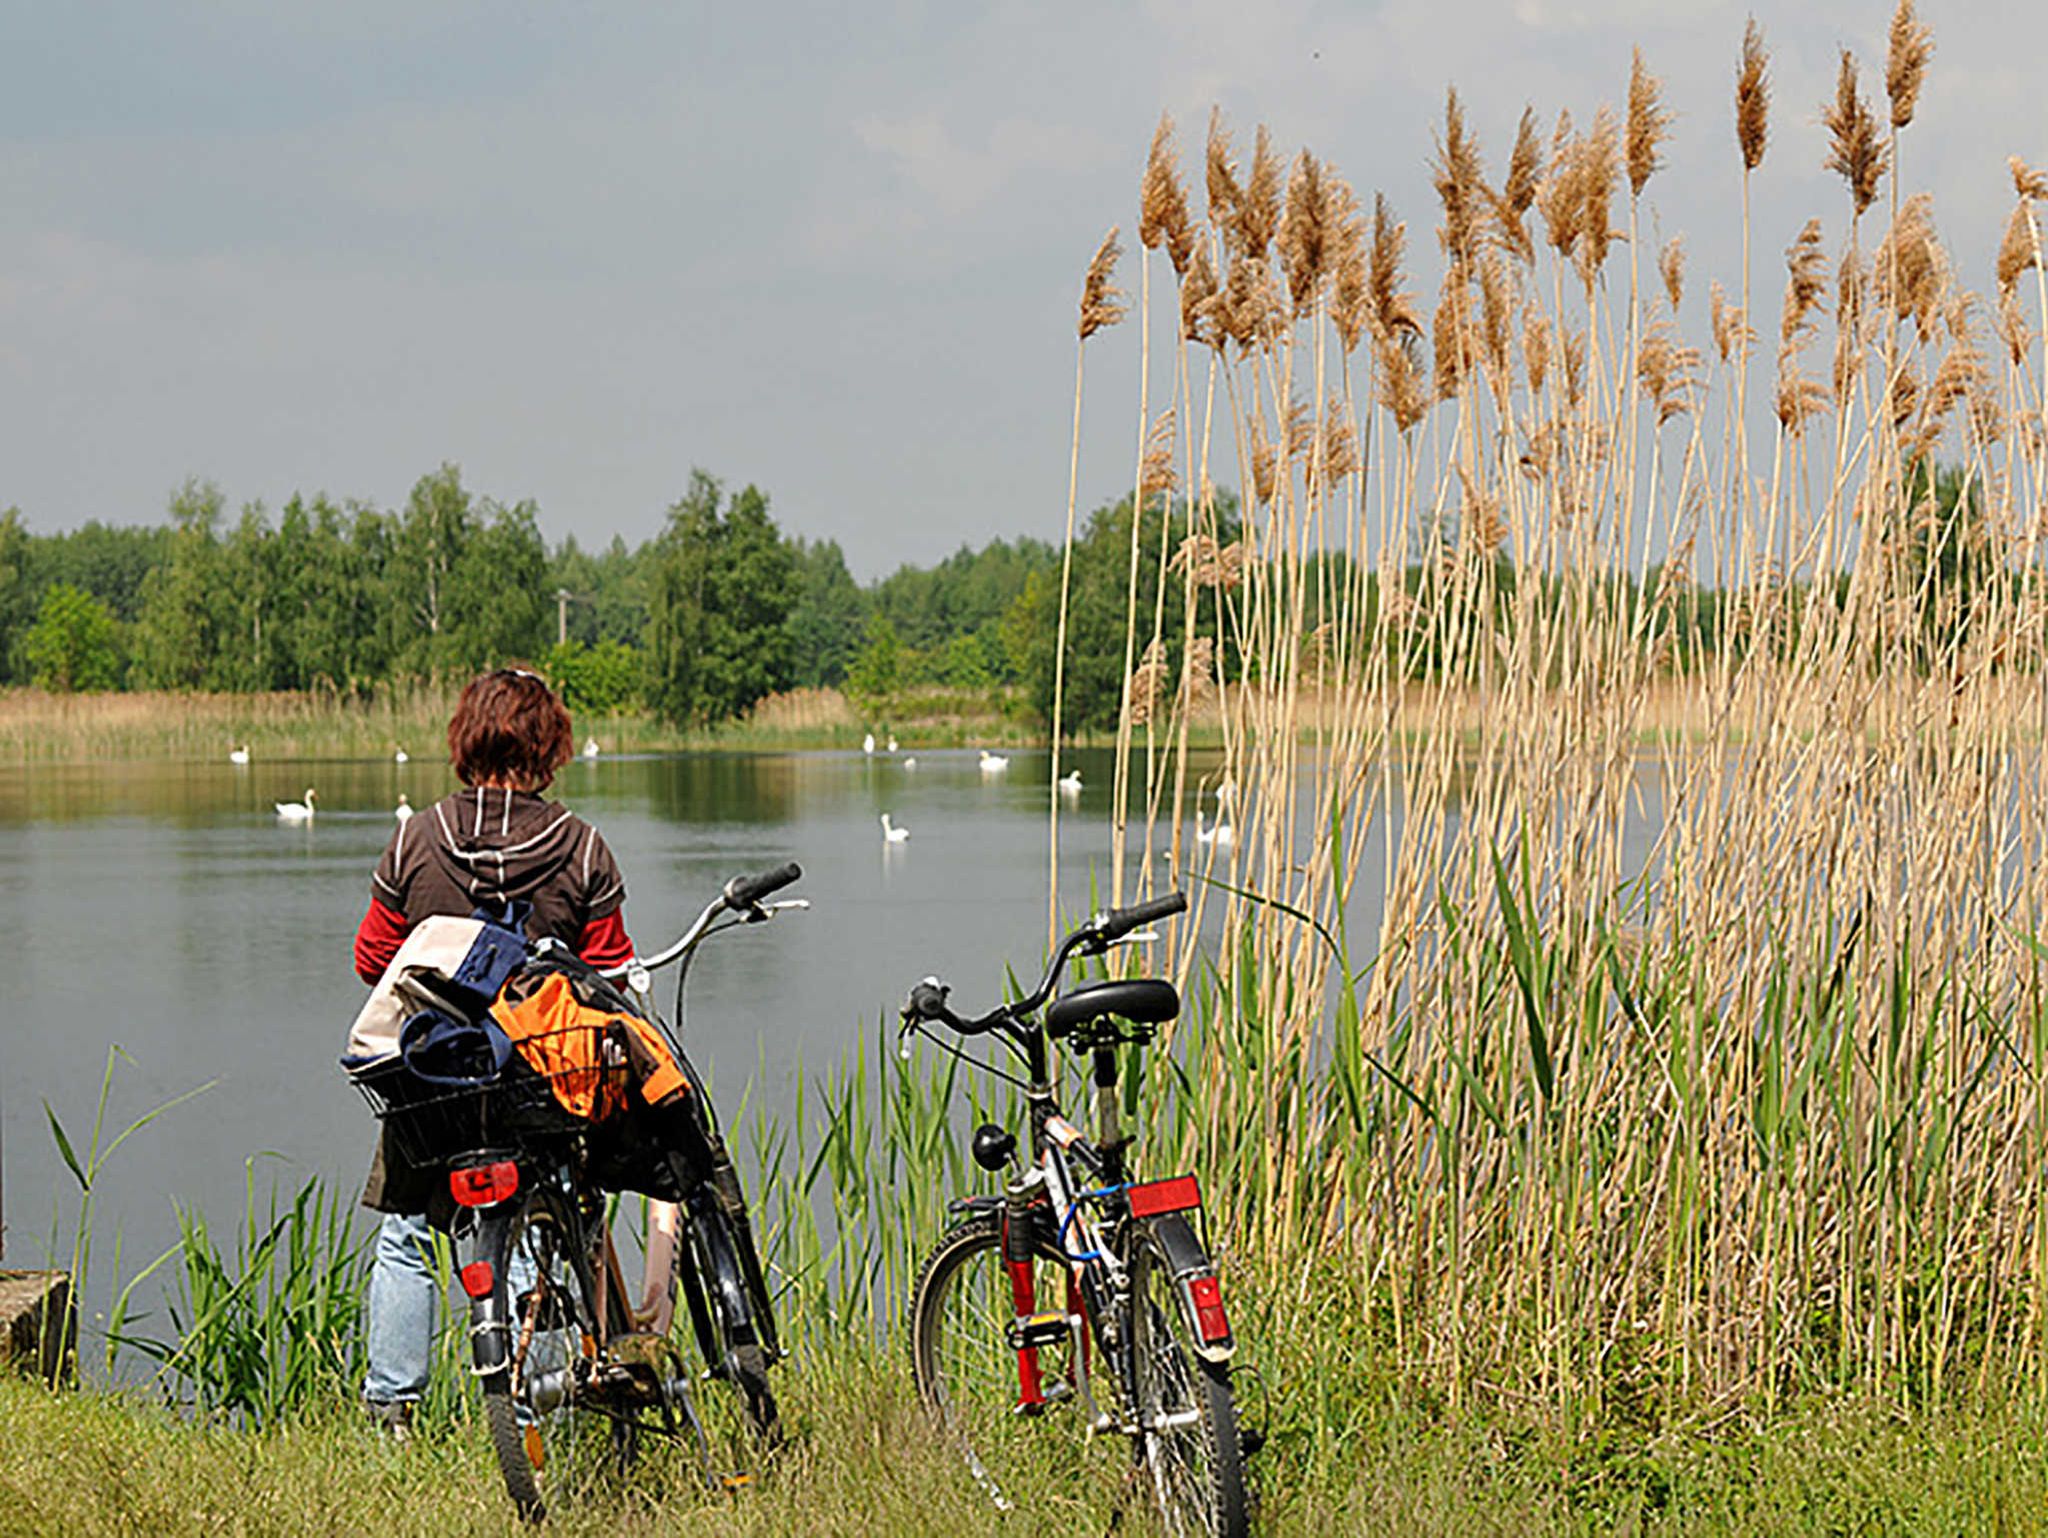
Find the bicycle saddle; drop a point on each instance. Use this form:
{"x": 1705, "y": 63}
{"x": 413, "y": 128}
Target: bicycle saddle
{"x": 1143, "y": 1000}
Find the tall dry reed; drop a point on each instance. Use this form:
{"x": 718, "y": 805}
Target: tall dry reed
{"x": 1677, "y": 1064}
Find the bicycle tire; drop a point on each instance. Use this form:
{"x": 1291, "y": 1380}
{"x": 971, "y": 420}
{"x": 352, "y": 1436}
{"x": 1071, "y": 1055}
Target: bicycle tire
{"x": 731, "y": 1343}
{"x": 967, "y": 1373}
{"x": 561, "y": 1437}
{"x": 1197, "y": 1466}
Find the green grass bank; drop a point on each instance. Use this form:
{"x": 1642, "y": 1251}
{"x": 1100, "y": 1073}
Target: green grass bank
{"x": 863, "y": 1463}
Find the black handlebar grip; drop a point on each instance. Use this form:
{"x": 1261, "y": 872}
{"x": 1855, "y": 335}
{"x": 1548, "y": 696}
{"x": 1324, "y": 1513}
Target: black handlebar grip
{"x": 1119, "y": 922}
{"x": 928, "y": 1001}
{"x": 746, "y": 891}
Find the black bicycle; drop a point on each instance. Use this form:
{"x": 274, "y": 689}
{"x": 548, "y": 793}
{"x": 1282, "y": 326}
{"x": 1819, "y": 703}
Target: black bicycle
{"x": 575, "y": 1374}
{"x": 1081, "y": 1302}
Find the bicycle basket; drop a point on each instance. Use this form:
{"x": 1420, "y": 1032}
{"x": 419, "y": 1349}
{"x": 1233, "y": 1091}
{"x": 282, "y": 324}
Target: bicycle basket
{"x": 433, "y": 1121}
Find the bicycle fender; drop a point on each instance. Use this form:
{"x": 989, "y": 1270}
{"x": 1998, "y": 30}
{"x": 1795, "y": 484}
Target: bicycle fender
{"x": 1189, "y": 1264}
{"x": 487, "y": 1237}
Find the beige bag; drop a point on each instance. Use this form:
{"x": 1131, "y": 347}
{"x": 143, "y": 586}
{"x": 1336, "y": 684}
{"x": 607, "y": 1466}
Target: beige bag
{"x": 450, "y": 964}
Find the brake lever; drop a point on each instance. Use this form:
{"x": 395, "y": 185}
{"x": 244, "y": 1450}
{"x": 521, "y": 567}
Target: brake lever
{"x": 1135, "y": 937}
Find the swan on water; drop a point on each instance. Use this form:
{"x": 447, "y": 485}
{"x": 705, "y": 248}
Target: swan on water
{"x": 891, "y": 834}
{"x": 993, "y": 763}
{"x": 910, "y": 763}
{"x": 239, "y": 755}
{"x": 1070, "y": 783}
{"x": 590, "y": 747}
{"x": 404, "y": 809}
{"x": 401, "y": 757}
{"x": 867, "y": 743}
{"x": 296, "y": 811}
{"x": 892, "y": 742}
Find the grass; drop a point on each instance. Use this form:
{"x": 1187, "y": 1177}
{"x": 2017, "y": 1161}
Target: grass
{"x": 37, "y": 727}
{"x": 862, "y": 1463}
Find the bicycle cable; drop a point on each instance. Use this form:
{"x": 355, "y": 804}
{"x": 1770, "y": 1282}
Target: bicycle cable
{"x": 922, "y": 1028}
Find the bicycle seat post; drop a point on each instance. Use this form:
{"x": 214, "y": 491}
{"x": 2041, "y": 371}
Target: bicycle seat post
{"x": 1109, "y": 1128}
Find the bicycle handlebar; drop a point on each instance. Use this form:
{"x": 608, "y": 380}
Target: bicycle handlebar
{"x": 744, "y": 892}
{"x": 1118, "y": 922}
{"x": 927, "y": 1002}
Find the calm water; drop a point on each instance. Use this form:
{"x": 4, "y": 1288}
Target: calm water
{"x": 164, "y": 908}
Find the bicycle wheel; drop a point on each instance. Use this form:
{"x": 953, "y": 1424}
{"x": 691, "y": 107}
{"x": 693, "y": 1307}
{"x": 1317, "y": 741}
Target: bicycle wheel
{"x": 747, "y": 1421}
{"x": 552, "y": 1444}
{"x": 1193, "y": 1449}
{"x": 1021, "y": 1418}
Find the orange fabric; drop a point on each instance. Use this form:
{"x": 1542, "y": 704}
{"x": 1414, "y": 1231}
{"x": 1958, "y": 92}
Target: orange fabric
{"x": 562, "y": 1037}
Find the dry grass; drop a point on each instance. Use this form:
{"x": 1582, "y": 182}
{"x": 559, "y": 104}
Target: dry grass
{"x": 1762, "y": 1113}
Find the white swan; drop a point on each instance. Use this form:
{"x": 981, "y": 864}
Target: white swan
{"x": 910, "y": 763}
{"x": 239, "y": 755}
{"x": 401, "y": 757}
{"x": 1070, "y": 783}
{"x": 892, "y": 742}
{"x": 590, "y": 747}
{"x": 296, "y": 811}
{"x": 1222, "y": 835}
{"x": 891, "y": 834}
{"x": 403, "y": 811}
{"x": 867, "y": 743}
{"x": 993, "y": 763}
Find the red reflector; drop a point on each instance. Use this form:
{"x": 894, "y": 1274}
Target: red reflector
{"x": 1156, "y": 1196}
{"x": 1206, "y": 1293}
{"x": 484, "y": 1185}
{"x": 477, "y": 1278}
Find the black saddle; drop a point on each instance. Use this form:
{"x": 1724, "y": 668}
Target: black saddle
{"x": 1142, "y": 1000}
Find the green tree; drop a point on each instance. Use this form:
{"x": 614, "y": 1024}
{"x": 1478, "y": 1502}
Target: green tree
{"x": 75, "y": 642}
{"x": 17, "y": 608}
{"x": 604, "y": 678}
{"x": 825, "y": 622}
{"x": 178, "y": 620}
{"x": 878, "y": 671}
{"x": 721, "y": 588}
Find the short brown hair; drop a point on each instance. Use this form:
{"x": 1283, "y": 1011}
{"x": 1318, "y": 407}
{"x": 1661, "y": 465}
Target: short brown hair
{"x": 509, "y": 726}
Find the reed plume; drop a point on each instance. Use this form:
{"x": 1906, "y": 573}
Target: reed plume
{"x": 2028, "y": 184}
{"x": 1401, "y": 388}
{"x": 1911, "y": 46}
{"x": 1339, "y": 447}
{"x": 1806, "y": 267}
{"x": 1257, "y": 214}
{"x": 2016, "y": 250}
{"x": 1911, "y": 271}
{"x": 1518, "y": 189}
{"x": 1156, "y": 473}
{"x": 1752, "y": 97}
{"x": 1391, "y": 309}
{"x": 1665, "y": 368}
{"x": 1197, "y": 300}
{"x": 1453, "y": 344}
{"x": 1558, "y": 199}
{"x": 1671, "y": 268}
{"x": 1224, "y": 192}
{"x": 1856, "y": 150}
{"x": 1101, "y": 302}
{"x": 1599, "y": 156}
{"x": 1351, "y": 285}
{"x": 1304, "y": 237}
{"x": 1649, "y": 125}
{"x": 1460, "y": 185}
{"x": 1162, "y": 205}
{"x": 1535, "y": 348}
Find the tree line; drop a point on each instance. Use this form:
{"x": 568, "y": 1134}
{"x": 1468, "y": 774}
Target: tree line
{"x": 717, "y": 610}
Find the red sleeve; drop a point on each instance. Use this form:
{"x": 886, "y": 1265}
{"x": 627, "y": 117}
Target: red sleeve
{"x": 605, "y": 942}
{"x": 378, "y": 938}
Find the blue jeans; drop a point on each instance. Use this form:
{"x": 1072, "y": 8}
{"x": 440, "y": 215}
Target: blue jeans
{"x": 403, "y": 1294}
{"x": 402, "y": 1298}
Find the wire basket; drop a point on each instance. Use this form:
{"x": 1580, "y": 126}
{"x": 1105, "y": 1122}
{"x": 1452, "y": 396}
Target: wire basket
{"x": 432, "y": 1123}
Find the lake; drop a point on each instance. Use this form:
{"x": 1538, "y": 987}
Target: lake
{"x": 164, "y": 908}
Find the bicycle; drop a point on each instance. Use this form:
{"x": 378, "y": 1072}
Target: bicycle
{"x": 1081, "y": 1301}
{"x": 573, "y": 1374}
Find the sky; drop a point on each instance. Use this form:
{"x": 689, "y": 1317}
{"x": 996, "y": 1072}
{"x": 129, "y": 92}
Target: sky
{"x": 832, "y": 250}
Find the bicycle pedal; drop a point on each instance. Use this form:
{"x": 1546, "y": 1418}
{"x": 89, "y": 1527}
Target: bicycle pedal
{"x": 1251, "y": 1439}
{"x": 1038, "y": 1330}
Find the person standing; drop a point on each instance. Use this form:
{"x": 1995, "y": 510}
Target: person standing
{"x": 493, "y": 843}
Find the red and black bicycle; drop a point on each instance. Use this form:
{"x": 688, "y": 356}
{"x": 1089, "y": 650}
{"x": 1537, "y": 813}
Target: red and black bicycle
{"x": 1081, "y": 1303}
